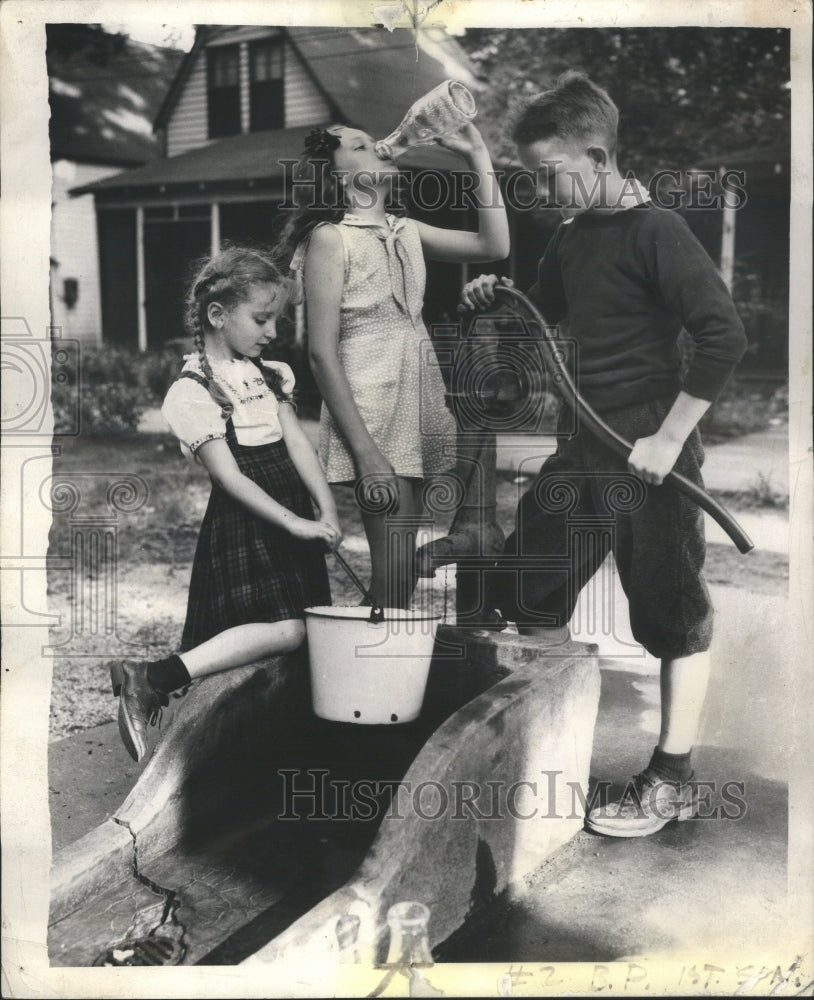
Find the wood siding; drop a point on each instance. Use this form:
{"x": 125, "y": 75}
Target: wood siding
{"x": 74, "y": 247}
{"x": 245, "y": 112}
{"x": 304, "y": 103}
{"x": 187, "y": 126}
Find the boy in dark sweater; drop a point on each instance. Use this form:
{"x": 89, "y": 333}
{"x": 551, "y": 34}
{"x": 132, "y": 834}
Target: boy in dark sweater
{"x": 625, "y": 276}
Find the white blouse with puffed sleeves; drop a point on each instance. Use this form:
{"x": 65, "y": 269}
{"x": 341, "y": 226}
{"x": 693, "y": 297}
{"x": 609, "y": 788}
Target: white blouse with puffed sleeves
{"x": 194, "y": 416}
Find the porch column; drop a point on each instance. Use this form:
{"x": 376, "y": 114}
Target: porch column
{"x": 727, "y": 239}
{"x": 215, "y": 238}
{"x": 140, "y": 280}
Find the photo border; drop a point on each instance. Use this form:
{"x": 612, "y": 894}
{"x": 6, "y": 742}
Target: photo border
{"x": 25, "y": 696}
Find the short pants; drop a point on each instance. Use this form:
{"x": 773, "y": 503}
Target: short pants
{"x": 585, "y": 504}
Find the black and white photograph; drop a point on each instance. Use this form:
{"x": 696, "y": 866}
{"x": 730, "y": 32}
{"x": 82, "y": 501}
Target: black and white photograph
{"x": 407, "y": 498}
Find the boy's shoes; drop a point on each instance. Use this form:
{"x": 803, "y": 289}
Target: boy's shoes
{"x": 139, "y": 705}
{"x": 647, "y": 804}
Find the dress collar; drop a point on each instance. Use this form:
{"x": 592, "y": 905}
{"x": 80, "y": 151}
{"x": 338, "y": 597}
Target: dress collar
{"x": 219, "y": 362}
{"x": 394, "y": 223}
{"x": 398, "y": 259}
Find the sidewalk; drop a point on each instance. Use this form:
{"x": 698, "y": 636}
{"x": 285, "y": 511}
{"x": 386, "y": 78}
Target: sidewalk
{"x": 601, "y": 899}
{"x": 732, "y": 465}
{"x": 749, "y": 464}
{"x": 713, "y": 885}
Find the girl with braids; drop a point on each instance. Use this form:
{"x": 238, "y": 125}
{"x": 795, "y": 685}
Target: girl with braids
{"x": 385, "y": 425}
{"x": 259, "y": 560}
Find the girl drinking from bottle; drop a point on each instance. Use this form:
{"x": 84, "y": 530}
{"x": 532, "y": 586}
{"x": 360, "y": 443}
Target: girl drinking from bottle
{"x": 259, "y": 561}
{"x": 384, "y": 426}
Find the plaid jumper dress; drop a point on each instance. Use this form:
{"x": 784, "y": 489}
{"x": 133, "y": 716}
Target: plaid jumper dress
{"x": 245, "y": 569}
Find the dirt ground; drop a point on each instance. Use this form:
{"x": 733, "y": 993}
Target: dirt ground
{"x": 142, "y": 579}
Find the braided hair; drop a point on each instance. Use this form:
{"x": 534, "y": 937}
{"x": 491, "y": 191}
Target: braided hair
{"x": 225, "y": 278}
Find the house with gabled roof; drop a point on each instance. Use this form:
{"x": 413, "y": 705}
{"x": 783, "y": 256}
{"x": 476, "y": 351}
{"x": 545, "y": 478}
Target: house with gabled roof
{"x": 105, "y": 91}
{"x": 240, "y": 106}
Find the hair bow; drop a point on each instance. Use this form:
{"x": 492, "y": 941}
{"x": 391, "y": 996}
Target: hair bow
{"x": 321, "y": 142}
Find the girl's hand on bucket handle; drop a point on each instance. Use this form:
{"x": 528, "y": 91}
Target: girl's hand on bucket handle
{"x": 335, "y": 533}
{"x": 313, "y": 531}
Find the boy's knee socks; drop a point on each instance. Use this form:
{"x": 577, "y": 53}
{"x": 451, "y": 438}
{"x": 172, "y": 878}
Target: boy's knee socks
{"x": 671, "y": 766}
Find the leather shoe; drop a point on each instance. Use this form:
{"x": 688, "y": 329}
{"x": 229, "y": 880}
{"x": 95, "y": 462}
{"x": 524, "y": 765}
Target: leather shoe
{"x": 139, "y": 705}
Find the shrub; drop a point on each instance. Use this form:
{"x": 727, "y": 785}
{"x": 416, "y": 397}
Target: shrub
{"x": 155, "y": 373}
{"x": 114, "y": 387}
{"x": 105, "y": 365}
{"x": 764, "y": 309}
{"x": 779, "y": 403}
{"x": 743, "y": 407}
{"x": 105, "y": 409}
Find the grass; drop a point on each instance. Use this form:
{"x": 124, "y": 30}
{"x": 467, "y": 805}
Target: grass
{"x": 156, "y": 542}
{"x": 760, "y": 495}
{"x": 163, "y": 529}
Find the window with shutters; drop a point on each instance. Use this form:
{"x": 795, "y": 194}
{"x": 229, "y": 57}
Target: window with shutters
{"x": 223, "y": 90}
{"x": 266, "y": 74}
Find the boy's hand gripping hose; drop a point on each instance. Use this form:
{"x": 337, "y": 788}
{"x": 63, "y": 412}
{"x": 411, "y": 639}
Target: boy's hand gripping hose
{"x": 557, "y": 367}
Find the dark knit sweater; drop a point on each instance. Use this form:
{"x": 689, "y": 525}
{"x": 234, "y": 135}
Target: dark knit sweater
{"x": 625, "y": 283}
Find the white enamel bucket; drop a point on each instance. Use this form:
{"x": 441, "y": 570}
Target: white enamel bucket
{"x": 365, "y": 672}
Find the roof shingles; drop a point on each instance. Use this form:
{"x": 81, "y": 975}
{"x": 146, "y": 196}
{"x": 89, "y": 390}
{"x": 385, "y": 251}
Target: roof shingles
{"x": 104, "y": 92}
{"x": 369, "y": 75}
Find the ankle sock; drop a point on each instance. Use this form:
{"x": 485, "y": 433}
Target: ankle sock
{"x": 671, "y": 766}
{"x": 168, "y": 675}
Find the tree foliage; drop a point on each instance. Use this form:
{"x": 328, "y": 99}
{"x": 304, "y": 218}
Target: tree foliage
{"x": 89, "y": 42}
{"x": 684, "y": 94}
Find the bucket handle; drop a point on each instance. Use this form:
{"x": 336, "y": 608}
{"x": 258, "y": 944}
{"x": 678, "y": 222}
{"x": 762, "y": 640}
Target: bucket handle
{"x": 376, "y": 611}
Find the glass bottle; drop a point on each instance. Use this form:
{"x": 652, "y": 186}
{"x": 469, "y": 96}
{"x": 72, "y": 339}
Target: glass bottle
{"x": 409, "y": 944}
{"x": 443, "y": 111}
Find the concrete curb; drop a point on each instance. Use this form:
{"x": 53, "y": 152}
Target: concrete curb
{"x": 538, "y": 719}
{"x": 88, "y": 866}
{"x": 496, "y": 709}
{"x": 210, "y": 732}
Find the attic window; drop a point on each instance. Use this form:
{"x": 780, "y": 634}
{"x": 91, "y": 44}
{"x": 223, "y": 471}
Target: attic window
{"x": 267, "y": 93}
{"x": 223, "y": 90}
